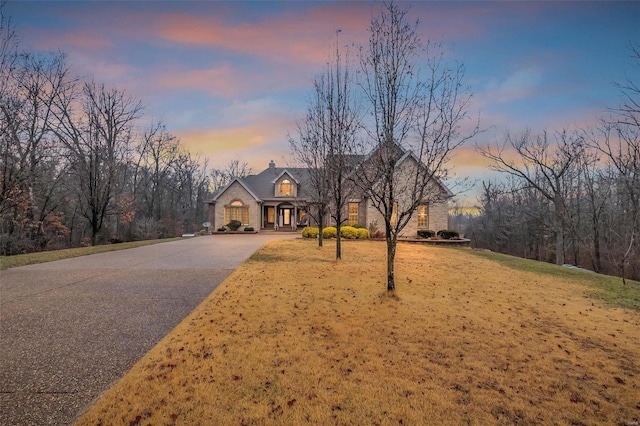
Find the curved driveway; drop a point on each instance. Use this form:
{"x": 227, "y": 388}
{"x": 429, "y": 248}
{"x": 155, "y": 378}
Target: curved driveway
{"x": 71, "y": 328}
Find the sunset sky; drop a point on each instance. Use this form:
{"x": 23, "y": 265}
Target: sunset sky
{"x": 231, "y": 78}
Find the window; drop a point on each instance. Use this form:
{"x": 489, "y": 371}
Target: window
{"x": 236, "y": 211}
{"x": 271, "y": 214}
{"x": 394, "y": 214}
{"x": 423, "y": 216}
{"x": 353, "y": 213}
{"x": 286, "y": 188}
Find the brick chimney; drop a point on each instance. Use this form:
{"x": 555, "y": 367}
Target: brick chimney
{"x": 272, "y": 165}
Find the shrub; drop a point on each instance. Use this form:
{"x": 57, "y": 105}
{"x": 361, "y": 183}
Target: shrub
{"x": 234, "y": 225}
{"x": 203, "y": 232}
{"x": 363, "y": 233}
{"x": 378, "y": 234}
{"x": 248, "y": 229}
{"x": 310, "y": 232}
{"x": 329, "y": 232}
{"x": 373, "y": 227}
{"x": 448, "y": 234}
{"x": 426, "y": 233}
{"x": 357, "y": 226}
{"x": 222, "y": 229}
{"x": 349, "y": 232}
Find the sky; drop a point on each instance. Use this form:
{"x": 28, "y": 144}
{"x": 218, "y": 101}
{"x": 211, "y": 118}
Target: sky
{"x": 230, "y": 79}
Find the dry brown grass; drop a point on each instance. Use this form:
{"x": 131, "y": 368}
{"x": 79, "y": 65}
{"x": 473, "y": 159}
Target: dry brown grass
{"x": 293, "y": 337}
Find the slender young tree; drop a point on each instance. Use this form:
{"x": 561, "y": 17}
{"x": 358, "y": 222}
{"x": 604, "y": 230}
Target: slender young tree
{"x": 418, "y": 104}
{"x": 309, "y": 151}
{"x": 326, "y": 141}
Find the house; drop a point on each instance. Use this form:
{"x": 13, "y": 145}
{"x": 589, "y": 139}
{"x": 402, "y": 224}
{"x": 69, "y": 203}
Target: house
{"x": 278, "y": 199}
{"x": 273, "y": 199}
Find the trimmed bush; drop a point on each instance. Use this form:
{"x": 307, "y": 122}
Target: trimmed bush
{"x": 329, "y": 232}
{"x": 448, "y": 234}
{"x": 349, "y": 232}
{"x": 248, "y": 229}
{"x": 234, "y": 225}
{"x": 310, "y": 232}
{"x": 426, "y": 233}
{"x": 363, "y": 233}
{"x": 357, "y": 226}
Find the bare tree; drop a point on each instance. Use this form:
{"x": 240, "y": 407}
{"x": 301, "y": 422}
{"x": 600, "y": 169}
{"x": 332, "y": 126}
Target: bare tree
{"x": 30, "y": 161}
{"x": 418, "y": 104}
{"x": 618, "y": 140}
{"x": 157, "y": 152}
{"x": 95, "y": 126}
{"x": 233, "y": 169}
{"x": 545, "y": 165}
{"x": 628, "y": 113}
{"x": 310, "y": 151}
{"x": 326, "y": 141}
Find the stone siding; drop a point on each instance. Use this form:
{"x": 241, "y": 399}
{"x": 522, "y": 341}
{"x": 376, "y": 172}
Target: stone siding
{"x": 236, "y": 192}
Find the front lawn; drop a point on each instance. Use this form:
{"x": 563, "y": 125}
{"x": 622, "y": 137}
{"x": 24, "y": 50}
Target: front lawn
{"x": 293, "y": 337}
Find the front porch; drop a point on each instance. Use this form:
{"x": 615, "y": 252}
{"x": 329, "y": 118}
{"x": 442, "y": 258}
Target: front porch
{"x": 282, "y": 217}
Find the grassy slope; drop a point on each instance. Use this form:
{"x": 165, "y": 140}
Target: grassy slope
{"x": 603, "y": 287}
{"x": 7, "y": 262}
{"x": 292, "y": 337}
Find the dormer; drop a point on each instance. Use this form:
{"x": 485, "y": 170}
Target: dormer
{"x": 285, "y": 185}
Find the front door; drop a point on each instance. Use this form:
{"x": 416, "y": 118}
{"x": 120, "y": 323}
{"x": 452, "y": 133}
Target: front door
{"x": 285, "y": 216}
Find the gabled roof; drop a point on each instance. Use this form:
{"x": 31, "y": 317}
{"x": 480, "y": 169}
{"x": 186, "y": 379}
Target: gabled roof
{"x": 285, "y": 172}
{"x": 262, "y": 183}
{"x": 410, "y": 154}
{"x": 242, "y": 183}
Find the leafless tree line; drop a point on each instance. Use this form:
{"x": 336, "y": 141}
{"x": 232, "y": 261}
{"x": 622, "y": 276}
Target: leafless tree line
{"x": 572, "y": 196}
{"x": 78, "y": 164}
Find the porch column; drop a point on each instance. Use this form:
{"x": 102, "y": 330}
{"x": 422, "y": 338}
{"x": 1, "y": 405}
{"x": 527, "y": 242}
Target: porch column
{"x": 294, "y": 224}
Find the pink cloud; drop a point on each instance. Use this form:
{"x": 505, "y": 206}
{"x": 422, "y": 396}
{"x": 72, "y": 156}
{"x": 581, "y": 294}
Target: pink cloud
{"x": 289, "y": 37}
{"x": 227, "y": 81}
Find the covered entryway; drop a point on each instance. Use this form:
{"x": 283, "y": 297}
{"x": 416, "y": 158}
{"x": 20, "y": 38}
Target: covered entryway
{"x": 281, "y": 217}
{"x": 286, "y": 217}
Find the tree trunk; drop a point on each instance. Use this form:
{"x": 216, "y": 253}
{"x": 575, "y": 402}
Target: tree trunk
{"x": 320, "y": 223}
{"x": 559, "y": 228}
{"x": 559, "y": 245}
{"x": 338, "y": 237}
{"x": 391, "y": 257}
{"x": 597, "y": 266}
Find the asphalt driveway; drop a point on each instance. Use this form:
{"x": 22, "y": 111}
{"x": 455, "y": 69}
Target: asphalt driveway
{"x": 71, "y": 328}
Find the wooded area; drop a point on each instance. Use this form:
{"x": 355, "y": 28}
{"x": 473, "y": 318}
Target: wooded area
{"x": 81, "y": 164}
{"x": 571, "y": 196}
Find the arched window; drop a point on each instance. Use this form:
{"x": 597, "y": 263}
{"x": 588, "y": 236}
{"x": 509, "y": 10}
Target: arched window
{"x": 286, "y": 188}
{"x": 236, "y": 210}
